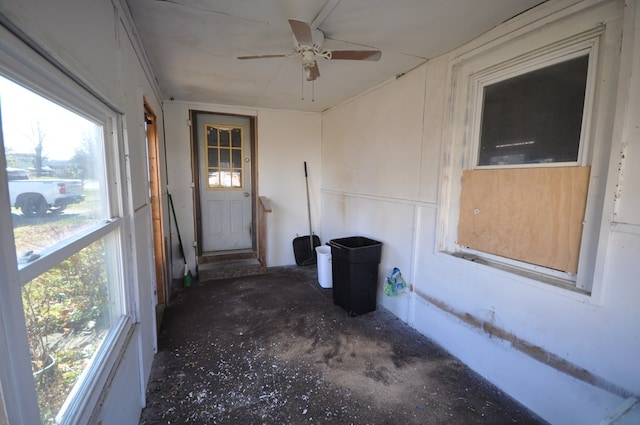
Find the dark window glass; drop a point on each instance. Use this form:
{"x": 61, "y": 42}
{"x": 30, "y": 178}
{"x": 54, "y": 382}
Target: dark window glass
{"x": 225, "y": 161}
{"x": 535, "y": 117}
{"x": 212, "y": 136}
{"x": 236, "y": 138}
{"x": 236, "y": 159}
{"x": 224, "y": 138}
{"x": 213, "y": 158}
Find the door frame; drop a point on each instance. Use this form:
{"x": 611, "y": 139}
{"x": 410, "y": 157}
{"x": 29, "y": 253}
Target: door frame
{"x": 163, "y": 287}
{"x": 195, "y": 171}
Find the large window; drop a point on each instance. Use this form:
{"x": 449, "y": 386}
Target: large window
{"x": 58, "y": 156}
{"x": 524, "y": 198}
{"x": 528, "y": 151}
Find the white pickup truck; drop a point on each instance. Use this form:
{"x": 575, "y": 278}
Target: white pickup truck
{"x": 37, "y": 196}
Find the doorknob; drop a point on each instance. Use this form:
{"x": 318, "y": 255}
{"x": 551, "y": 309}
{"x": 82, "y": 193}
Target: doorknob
{"x": 246, "y": 194}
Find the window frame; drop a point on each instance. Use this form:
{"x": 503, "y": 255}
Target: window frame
{"x": 516, "y": 68}
{"x": 472, "y": 69}
{"x": 230, "y": 128}
{"x": 23, "y": 65}
{"x": 588, "y": 49}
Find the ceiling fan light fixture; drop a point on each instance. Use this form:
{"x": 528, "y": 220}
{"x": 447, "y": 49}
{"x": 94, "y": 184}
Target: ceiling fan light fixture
{"x": 308, "y": 60}
{"x": 308, "y": 43}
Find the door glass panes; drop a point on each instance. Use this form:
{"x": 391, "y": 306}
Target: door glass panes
{"x": 224, "y": 157}
{"x": 212, "y": 137}
{"x": 236, "y": 138}
{"x": 236, "y": 161}
{"x": 224, "y": 137}
{"x": 68, "y": 311}
{"x": 55, "y": 170}
{"x": 213, "y": 161}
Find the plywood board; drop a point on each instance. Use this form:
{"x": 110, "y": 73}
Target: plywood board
{"x": 534, "y": 215}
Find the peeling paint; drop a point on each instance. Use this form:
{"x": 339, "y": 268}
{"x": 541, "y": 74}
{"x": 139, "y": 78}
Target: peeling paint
{"x": 534, "y": 351}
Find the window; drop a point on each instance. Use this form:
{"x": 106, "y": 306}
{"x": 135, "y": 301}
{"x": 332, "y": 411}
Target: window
{"x": 535, "y": 117}
{"x": 521, "y": 191}
{"x": 224, "y": 157}
{"x": 58, "y": 167}
{"x": 512, "y": 205}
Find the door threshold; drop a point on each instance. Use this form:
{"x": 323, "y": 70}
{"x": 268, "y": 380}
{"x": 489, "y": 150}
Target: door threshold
{"x": 229, "y": 255}
{"x": 226, "y": 264}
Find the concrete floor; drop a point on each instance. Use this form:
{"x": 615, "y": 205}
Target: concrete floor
{"x": 274, "y": 349}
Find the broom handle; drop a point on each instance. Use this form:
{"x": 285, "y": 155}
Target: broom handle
{"x": 306, "y": 180}
{"x": 175, "y": 220}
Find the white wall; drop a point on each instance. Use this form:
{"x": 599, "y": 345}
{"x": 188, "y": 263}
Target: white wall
{"x": 378, "y": 168}
{"x": 285, "y": 139}
{"x": 387, "y": 160}
{"x": 93, "y": 41}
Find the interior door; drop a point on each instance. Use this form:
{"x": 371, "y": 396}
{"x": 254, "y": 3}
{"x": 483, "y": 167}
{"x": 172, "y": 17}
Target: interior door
{"x": 225, "y": 182}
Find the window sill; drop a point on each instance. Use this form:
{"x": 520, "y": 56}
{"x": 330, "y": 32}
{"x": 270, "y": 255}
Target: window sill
{"x": 566, "y": 285}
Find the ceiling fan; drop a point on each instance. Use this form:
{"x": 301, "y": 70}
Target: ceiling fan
{"x": 308, "y": 45}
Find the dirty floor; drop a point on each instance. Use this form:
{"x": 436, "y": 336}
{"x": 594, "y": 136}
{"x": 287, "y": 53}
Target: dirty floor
{"x": 274, "y": 349}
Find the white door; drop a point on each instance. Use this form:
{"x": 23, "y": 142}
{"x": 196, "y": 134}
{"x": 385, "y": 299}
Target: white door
{"x": 225, "y": 181}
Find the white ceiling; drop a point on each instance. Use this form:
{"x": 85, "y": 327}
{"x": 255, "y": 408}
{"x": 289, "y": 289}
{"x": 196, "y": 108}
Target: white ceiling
{"x": 193, "y": 44}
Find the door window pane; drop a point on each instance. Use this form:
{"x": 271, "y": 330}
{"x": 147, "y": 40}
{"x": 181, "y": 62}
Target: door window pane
{"x": 236, "y": 138}
{"x": 236, "y": 179}
{"x": 213, "y": 158}
{"x": 224, "y": 138}
{"x": 212, "y": 137}
{"x": 224, "y": 158}
{"x": 236, "y": 158}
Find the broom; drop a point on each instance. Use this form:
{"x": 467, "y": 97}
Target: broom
{"x": 187, "y": 272}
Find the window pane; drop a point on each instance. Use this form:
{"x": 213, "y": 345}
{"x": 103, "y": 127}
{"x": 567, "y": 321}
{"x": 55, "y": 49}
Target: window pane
{"x": 225, "y": 179}
{"x": 212, "y": 156}
{"x": 68, "y": 312}
{"x": 214, "y": 179}
{"x": 224, "y": 138}
{"x": 236, "y": 138}
{"x": 236, "y": 179}
{"x": 225, "y": 160}
{"x": 212, "y": 136}
{"x": 535, "y": 117}
{"x": 236, "y": 158}
{"x": 56, "y": 170}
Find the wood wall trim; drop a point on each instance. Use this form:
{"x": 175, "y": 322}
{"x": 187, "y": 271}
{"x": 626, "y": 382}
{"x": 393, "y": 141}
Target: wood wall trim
{"x": 534, "y": 351}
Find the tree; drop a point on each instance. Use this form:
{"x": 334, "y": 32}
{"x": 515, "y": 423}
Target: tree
{"x": 84, "y": 158}
{"x": 38, "y": 135}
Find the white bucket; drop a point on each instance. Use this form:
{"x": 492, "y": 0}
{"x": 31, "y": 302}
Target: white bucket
{"x": 323, "y": 254}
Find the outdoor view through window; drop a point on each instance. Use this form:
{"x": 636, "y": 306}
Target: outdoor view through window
{"x": 55, "y": 169}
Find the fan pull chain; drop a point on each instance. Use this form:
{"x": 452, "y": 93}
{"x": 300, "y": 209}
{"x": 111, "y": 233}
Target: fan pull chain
{"x": 313, "y": 91}
{"x": 302, "y": 86}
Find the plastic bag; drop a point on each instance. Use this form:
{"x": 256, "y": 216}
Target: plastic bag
{"x": 396, "y": 284}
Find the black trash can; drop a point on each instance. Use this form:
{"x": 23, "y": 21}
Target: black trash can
{"x": 355, "y": 263}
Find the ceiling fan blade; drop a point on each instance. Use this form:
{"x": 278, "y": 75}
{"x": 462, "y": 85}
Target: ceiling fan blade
{"x": 262, "y": 56}
{"x": 302, "y": 32}
{"x": 358, "y": 55}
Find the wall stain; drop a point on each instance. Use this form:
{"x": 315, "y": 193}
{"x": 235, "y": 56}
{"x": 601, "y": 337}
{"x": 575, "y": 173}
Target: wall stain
{"x": 536, "y": 352}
